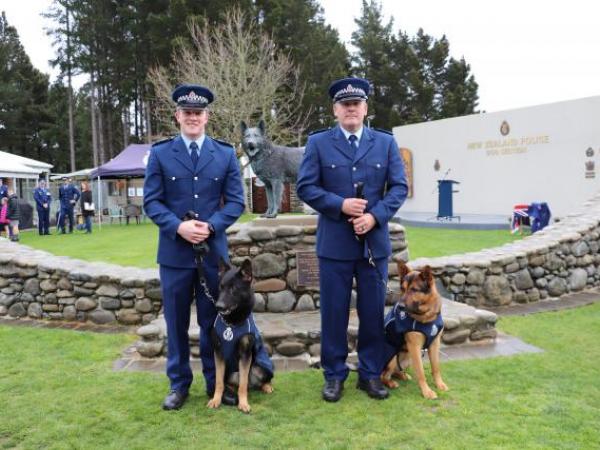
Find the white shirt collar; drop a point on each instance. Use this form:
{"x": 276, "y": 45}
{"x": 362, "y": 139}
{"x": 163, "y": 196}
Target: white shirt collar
{"x": 188, "y": 141}
{"x": 358, "y": 133}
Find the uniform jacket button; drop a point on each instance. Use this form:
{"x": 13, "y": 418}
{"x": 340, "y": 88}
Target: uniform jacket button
{"x": 173, "y": 178}
{"x": 195, "y": 195}
{"x": 195, "y": 178}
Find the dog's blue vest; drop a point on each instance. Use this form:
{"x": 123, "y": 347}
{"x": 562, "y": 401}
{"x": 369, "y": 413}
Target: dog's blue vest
{"x": 229, "y": 337}
{"x": 397, "y": 323}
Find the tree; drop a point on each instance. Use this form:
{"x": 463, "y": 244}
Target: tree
{"x": 251, "y": 79}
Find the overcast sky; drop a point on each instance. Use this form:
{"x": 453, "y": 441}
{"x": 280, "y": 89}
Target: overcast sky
{"x": 522, "y": 52}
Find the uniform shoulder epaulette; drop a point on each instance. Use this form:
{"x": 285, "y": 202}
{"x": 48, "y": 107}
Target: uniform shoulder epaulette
{"x": 227, "y": 144}
{"x": 381, "y": 130}
{"x": 318, "y": 131}
{"x": 162, "y": 141}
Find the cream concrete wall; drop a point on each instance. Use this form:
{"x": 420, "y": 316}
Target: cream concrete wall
{"x": 542, "y": 158}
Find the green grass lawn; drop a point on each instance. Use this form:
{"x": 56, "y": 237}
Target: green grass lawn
{"x": 57, "y": 390}
{"x": 135, "y": 245}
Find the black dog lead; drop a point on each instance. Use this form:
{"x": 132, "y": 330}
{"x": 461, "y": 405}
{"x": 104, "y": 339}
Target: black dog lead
{"x": 201, "y": 249}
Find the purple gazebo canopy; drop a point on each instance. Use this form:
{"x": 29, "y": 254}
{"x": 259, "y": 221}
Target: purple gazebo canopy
{"x": 131, "y": 162}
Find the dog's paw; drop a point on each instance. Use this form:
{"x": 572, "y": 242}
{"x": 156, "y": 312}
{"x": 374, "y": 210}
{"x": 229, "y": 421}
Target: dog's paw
{"x": 214, "y": 403}
{"x": 267, "y": 388}
{"x": 244, "y": 407}
{"x": 441, "y": 385}
{"x": 402, "y": 376}
{"x": 391, "y": 384}
{"x": 428, "y": 393}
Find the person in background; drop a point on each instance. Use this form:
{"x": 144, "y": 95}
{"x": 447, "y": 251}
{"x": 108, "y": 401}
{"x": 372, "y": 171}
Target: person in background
{"x": 4, "y": 223}
{"x": 13, "y": 215}
{"x": 42, "y": 199}
{"x": 3, "y": 190}
{"x": 87, "y": 206}
{"x": 68, "y": 196}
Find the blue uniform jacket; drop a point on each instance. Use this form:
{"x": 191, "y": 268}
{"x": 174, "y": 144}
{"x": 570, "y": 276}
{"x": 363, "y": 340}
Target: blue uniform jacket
{"x": 41, "y": 196}
{"x": 173, "y": 187}
{"x": 328, "y": 175}
{"x": 229, "y": 337}
{"x": 397, "y": 323}
{"x": 66, "y": 194}
{"x": 3, "y": 191}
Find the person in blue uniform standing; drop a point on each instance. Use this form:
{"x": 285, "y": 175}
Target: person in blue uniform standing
{"x": 68, "y": 196}
{"x": 42, "y": 198}
{"x": 352, "y": 231}
{"x": 3, "y": 190}
{"x": 191, "y": 173}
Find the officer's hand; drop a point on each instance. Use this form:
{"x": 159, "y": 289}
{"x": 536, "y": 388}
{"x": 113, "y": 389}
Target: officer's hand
{"x": 72, "y": 202}
{"x": 354, "y": 207}
{"x": 193, "y": 231}
{"x": 45, "y": 205}
{"x": 363, "y": 224}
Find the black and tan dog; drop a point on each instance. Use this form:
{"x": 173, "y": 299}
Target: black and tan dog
{"x": 414, "y": 323}
{"x": 240, "y": 357}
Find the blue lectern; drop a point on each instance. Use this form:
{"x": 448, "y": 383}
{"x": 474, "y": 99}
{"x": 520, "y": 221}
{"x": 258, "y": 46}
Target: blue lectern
{"x": 445, "y": 191}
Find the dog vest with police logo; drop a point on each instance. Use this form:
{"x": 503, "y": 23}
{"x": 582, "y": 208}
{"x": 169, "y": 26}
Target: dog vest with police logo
{"x": 229, "y": 337}
{"x": 397, "y": 323}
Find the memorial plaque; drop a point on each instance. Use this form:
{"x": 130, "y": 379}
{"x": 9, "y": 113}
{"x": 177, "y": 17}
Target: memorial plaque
{"x": 307, "y": 266}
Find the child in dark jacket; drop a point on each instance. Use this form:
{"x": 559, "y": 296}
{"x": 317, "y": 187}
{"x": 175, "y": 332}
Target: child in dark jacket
{"x": 13, "y": 215}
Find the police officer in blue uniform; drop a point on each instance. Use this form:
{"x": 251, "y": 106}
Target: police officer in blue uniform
{"x": 42, "y": 198}
{"x": 191, "y": 172}
{"x": 68, "y": 196}
{"x": 350, "y": 230}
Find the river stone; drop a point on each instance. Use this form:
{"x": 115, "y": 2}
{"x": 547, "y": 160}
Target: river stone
{"x": 476, "y": 277}
{"x": 48, "y": 286}
{"x": 129, "y": 316}
{"x": 17, "y": 310}
{"x": 305, "y": 303}
{"x": 81, "y": 291}
{"x": 154, "y": 294}
{"x": 149, "y": 349}
{"x": 579, "y": 248}
{"x": 110, "y": 303}
{"x": 541, "y": 283}
{"x": 260, "y": 234}
{"x": 32, "y": 286}
{"x": 557, "y": 287}
{"x": 259, "y": 303}
{"x": 144, "y": 305}
{"x": 578, "y": 279}
{"x": 101, "y": 316}
{"x": 497, "y": 291}
{"x": 6, "y": 300}
{"x": 34, "y": 310}
{"x": 64, "y": 284}
{"x": 537, "y": 272}
{"x": 314, "y": 349}
{"x": 50, "y": 307}
{"x": 148, "y": 332}
{"x": 450, "y": 323}
{"x": 3, "y": 310}
{"x": 70, "y": 313}
{"x": 269, "y": 285}
{"x": 85, "y": 304}
{"x": 107, "y": 290}
{"x": 290, "y": 348}
{"x": 523, "y": 280}
{"x": 281, "y": 302}
{"x": 478, "y": 335}
{"x": 459, "y": 279}
{"x": 268, "y": 265}
{"x": 126, "y": 294}
{"x": 456, "y": 337}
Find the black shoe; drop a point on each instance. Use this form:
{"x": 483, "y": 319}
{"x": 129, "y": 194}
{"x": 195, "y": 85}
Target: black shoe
{"x": 332, "y": 391}
{"x": 374, "y": 388}
{"x": 229, "y": 398}
{"x": 174, "y": 400}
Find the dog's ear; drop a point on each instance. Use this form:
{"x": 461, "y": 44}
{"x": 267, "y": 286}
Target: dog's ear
{"x": 262, "y": 126}
{"x": 427, "y": 275}
{"x": 224, "y": 266}
{"x": 243, "y": 126}
{"x": 403, "y": 270}
{"x": 246, "y": 270}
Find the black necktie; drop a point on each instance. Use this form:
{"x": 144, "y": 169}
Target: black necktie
{"x": 353, "y": 142}
{"x": 194, "y": 153}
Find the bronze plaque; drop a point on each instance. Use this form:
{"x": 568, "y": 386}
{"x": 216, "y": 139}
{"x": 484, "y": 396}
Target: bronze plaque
{"x": 307, "y": 265}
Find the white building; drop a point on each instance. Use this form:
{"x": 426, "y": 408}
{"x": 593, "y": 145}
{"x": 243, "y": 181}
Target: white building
{"x": 545, "y": 153}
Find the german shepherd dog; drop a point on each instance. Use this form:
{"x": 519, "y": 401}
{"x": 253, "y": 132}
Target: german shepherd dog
{"x": 273, "y": 164}
{"x": 415, "y": 323}
{"x": 240, "y": 357}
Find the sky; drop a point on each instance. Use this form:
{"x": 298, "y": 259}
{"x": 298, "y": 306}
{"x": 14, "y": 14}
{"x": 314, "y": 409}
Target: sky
{"x": 521, "y": 52}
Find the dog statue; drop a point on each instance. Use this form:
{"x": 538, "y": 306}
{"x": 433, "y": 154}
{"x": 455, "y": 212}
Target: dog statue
{"x": 240, "y": 357}
{"x": 413, "y": 324}
{"x": 273, "y": 164}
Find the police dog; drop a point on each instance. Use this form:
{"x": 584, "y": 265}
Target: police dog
{"x": 240, "y": 357}
{"x": 273, "y": 164}
{"x": 415, "y": 323}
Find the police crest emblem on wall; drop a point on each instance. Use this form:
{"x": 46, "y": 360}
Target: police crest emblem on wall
{"x": 504, "y": 128}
